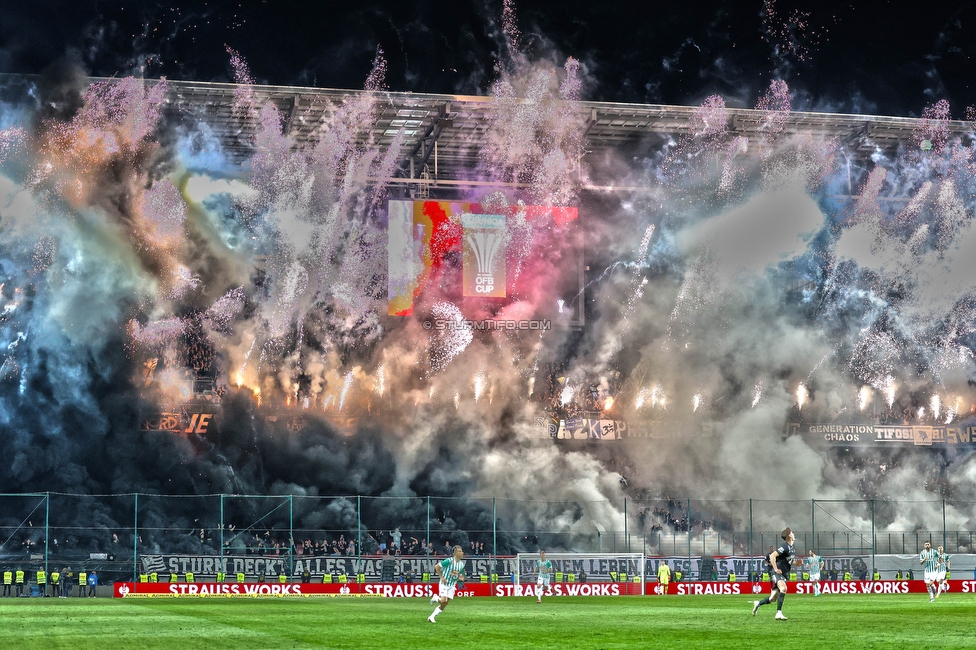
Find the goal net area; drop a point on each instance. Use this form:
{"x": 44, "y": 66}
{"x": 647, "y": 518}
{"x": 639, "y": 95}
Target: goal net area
{"x": 614, "y": 573}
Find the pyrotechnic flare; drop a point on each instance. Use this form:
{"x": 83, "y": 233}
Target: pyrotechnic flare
{"x": 863, "y": 397}
{"x": 801, "y": 396}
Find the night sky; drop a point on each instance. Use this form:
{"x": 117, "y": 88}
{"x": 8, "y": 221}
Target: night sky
{"x": 873, "y": 57}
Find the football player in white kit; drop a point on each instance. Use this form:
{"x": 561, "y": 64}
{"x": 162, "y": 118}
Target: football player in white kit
{"x": 814, "y": 564}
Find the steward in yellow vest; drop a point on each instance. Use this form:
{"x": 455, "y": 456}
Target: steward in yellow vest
{"x": 19, "y": 581}
{"x": 82, "y": 583}
{"x": 143, "y": 578}
{"x": 241, "y": 578}
{"x": 8, "y": 581}
{"x": 42, "y": 582}
{"x": 55, "y": 584}
{"x": 220, "y": 576}
{"x": 173, "y": 578}
{"x": 153, "y": 577}
{"x": 189, "y": 576}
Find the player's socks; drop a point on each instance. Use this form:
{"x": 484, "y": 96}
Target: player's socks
{"x": 434, "y": 615}
{"x": 816, "y": 588}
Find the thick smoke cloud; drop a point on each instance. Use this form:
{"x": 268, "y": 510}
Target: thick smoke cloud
{"x": 727, "y": 294}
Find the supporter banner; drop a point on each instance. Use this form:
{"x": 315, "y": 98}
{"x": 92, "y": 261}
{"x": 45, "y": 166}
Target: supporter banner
{"x": 252, "y": 566}
{"x": 585, "y": 429}
{"x": 876, "y": 434}
{"x": 599, "y": 568}
{"x": 743, "y": 566}
{"x": 180, "y": 422}
{"x": 595, "y": 428}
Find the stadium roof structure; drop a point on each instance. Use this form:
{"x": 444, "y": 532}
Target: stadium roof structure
{"x": 444, "y": 134}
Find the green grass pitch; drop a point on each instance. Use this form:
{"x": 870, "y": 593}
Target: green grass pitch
{"x": 653, "y": 622}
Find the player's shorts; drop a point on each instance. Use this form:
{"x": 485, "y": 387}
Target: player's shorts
{"x": 931, "y": 576}
{"x": 543, "y": 582}
{"x": 814, "y": 577}
{"x": 443, "y": 591}
{"x": 774, "y": 578}
{"x": 940, "y": 575}
{"x": 664, "y": 581}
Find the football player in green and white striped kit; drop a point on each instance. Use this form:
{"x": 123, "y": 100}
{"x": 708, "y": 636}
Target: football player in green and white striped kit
{"x": 543, "y": 576}
{"x": 929, "y": 559}
{"x": 943, "y": 570}
{"x": 451, "y": 573}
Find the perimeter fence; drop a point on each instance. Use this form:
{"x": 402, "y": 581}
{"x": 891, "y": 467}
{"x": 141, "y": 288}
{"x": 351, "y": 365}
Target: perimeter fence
{"x": 125, "y": 534}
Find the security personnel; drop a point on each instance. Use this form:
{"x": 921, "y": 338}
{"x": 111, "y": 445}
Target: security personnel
{"x": 189, "y": 577}
{"x": 55, "y": 583}
{"x": 241, "y": 578}
{"x": 82, "y": 583}
{"x": 8, "y": 581}
{"x": 42, "y": 582}
{"x": 144, "y": 577}
{"x": 282, "y": 578}
{"x": 19, "y": 581}
{"x": 153, "y": 577}
{"x": 173, "y": 578}
{"x": 220, "y": 576}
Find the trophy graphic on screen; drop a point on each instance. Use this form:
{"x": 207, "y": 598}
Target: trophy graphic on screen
{"x": 484, "y": 255}
{"x": 484, "y": 245}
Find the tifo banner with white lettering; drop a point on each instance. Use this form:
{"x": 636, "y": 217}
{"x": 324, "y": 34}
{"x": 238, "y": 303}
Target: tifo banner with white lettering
{"x": 585, "y": 429}
{"x": 851, "y": 434}
{"x": 271, "y": 566}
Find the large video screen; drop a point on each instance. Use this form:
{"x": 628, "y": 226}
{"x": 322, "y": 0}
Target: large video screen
{"x": 469, "y": 254}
